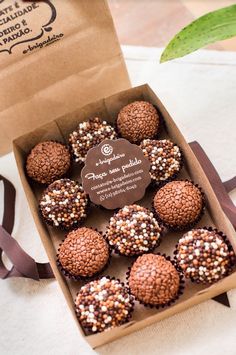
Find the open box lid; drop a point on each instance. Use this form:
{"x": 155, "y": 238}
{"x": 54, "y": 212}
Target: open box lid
{"x": 55, "y": 57}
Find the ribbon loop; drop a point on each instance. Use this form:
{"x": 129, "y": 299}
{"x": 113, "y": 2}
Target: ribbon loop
{"x": 23, "y": 264}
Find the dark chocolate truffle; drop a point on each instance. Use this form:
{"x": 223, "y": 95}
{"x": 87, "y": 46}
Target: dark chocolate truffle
{"x": 83, "y": 253}
{"x": 137, "y": 121}
{"x": 178, "y": 204}
{"x": 204, "y": 256}
{"x": 103, "y": 304}
{"x": 88, "y": 135}
{"x": 154, "y": 280}
{"x": 64, "y": 204}
{"x": 133, "y": 231}
{"x": 165, "y": 158}
{"x": 48, "y": 161}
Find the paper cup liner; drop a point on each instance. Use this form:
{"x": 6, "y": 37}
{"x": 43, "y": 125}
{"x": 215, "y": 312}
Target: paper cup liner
{"x": 186, "y": 226}
{"x": 79, "y": 162}
{"x": 134, "y": 256}
{"x": 162, "y": 123}
{"x": 65, "y": 175}
{"x": 72, "y": 277}
{"x": 180, "y": 290}
{"x": 232, "y": 259}
{"x": 75, "y": 225}
{"x": 87, "y": 330}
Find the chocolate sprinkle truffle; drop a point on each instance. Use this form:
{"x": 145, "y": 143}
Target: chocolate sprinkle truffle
{"x": 103, "y": 304}
{"x": 64, "y": 204}
{"x": 154, "y": 280}
{"x": 48, "y": 161}
{"x": 133, "y": 231}
{"x": 165, "y": 158}
{"x": 88, "y": 135}
{"x": 84, "y": 253}
{"x": 137, "y": 121}
{"x": 178, "y": 204}
{"x": 204, "y": 256}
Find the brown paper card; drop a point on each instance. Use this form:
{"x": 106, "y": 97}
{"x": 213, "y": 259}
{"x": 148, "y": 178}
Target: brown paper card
{"x": 107, "y": 109}
{"x": 55, "y": 56}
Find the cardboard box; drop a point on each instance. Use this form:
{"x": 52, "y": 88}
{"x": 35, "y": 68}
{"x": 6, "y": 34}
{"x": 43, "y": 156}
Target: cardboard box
{"x": 108, "y": 109}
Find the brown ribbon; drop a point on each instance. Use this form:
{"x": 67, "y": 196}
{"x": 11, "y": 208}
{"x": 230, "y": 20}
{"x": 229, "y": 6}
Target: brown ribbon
{"x": 221, "y": 189}
{"x": 25, "y": 266}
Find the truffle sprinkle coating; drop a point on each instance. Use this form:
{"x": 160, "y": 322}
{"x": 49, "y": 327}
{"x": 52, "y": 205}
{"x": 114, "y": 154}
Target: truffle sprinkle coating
{"x": 133, "y": 231}
{"x": 64, "y": 204}
{"x": 204, "y": 256}
{"x": 48, "y": 161}
{"x": 137, "y": 121}
{"x": 154, "y": 280}
{"x": 83, "y": 253}
{"x": 103, "y": 304}
{"x": 88, "y": 135}
{"x": 178, "y": 204}
{"x": 164, "y": 156}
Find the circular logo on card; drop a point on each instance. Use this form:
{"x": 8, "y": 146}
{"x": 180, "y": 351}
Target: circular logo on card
{"x": 106, "y": 149}
{"x": 116, "y": 173}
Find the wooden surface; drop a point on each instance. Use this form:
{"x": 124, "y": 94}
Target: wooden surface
{"x": 155, "y": 22}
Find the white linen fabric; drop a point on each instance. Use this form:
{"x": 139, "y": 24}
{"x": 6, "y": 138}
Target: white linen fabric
{"x": 199, "y": 91}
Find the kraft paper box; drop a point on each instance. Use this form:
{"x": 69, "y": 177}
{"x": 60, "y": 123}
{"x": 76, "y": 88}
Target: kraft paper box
{"x": 108, "y": 109}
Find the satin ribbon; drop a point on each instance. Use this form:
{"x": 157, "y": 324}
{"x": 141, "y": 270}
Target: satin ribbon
{"x": 23, "y": 264}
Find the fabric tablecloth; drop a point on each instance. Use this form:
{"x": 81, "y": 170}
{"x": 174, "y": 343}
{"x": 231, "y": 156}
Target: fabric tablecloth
{"x": 199, "y": 91}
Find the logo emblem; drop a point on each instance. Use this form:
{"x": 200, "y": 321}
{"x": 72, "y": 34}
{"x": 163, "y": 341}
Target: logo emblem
{"x": 107, "y": 149}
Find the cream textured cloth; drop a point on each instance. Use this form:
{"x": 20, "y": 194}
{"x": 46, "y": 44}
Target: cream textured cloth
{"x": 199, "y": 91}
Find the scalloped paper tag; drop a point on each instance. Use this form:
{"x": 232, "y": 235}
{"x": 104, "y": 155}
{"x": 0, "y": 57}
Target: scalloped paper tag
{"x": 116, "y": 173}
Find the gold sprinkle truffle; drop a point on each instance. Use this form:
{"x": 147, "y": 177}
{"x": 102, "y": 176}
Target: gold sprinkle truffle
{"x": 48, "y": 161}
{"x": 165, "y": 158}
{"x": 83, "y": 253}
{"x": 89, "y": 134}
{"x": 133, "y": 231}
{"x": 64, "y": 204}
{"x": 137, "y": 121}
{"x": 154, "y": 280}
{"x": 178, "y": 204}
{"x": 103, "y": 304}
{"x": 204, "y": 256}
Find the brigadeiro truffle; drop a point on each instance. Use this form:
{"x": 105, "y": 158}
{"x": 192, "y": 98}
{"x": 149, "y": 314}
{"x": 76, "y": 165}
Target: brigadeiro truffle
{"x": 165, "y": 158}
{"x": 88, "y": 135}
{"x": 154, "y": 280}
{"x": 64, "y": 204}
{"x": 179, "y": 204}
{"x": 133, "y": 231}
{"x": 103, "y": 304}
{"x": 204, "y": 255}
{"x": 48, "y": 161}
{"x": 137, "y": 121}
{"x": 83, "y": 254}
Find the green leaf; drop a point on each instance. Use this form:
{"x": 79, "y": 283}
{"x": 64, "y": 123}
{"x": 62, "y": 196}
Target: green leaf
{"x": 212, "y": 27}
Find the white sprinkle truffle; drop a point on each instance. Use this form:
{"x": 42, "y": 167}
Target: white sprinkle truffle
{"x": 88, "y": 135}
{"x": 200, "y": 257}
{"x": 140, "y": 231}
{"x": 165, "y": 158}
